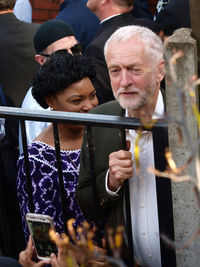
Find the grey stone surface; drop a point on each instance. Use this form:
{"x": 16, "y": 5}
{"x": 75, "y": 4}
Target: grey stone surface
{"x": 186, "y": 211}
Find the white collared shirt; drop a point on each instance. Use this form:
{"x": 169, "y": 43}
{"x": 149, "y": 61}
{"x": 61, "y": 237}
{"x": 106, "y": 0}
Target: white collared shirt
{"x": 143, "y": 198}
{"x": 33, "y": 128}
{"x": 110, "y": 17}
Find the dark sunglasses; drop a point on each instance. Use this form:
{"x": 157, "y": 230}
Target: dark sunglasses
{"x": 76, "y": 49}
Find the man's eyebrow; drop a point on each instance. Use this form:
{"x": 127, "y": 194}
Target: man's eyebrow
{"x": 113, "y": 66}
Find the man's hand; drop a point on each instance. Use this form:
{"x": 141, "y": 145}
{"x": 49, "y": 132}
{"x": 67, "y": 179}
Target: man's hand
{"x": 25, "y": 256}
{"x": 120, "y": 168}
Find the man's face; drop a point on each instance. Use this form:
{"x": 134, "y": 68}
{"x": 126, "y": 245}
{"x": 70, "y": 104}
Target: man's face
{"x": 134, "y": 82}
{"x": 64, "y": 43}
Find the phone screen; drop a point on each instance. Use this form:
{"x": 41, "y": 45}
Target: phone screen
{"x": 40, "y": 234}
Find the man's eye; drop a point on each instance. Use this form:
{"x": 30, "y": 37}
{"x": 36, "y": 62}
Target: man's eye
{"x": 114, "y": 72}
{"x": 136, "y": 70}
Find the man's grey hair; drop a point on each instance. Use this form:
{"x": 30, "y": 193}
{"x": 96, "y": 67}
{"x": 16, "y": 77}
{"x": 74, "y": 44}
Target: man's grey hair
{"x": 124, "y": 3}
{"x": 7, "y": 4}
{"x": 152, "y": 42}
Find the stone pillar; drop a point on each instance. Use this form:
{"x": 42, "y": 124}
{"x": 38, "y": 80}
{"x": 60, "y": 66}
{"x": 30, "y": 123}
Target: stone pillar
{"x": 186, "y": 211}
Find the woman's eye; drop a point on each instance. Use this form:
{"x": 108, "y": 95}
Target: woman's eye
{"x": 76, "y": 101}
{"x": 93, "y": 96}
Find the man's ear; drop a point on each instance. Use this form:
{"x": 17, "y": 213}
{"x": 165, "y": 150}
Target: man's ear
{"x": 50, "y": 101}
{"x": 40, "y": 59}
{"x": 103, "y": 2}
{"x": 161, "y": 71}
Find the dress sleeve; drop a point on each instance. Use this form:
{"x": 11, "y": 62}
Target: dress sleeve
{"x": 22, "y": 194}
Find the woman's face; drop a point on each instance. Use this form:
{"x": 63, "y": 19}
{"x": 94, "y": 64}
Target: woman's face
{"x": 78, "y": 97}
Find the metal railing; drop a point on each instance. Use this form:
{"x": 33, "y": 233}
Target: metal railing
{"x": 88, "y": 120}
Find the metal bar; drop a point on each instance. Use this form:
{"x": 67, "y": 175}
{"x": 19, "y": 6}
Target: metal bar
{"x": 128, "y": 209}
{"x": 77, "y": 118}
{"x": 60, "y": 176}
{"x": 27, "y": 169}
{"x": 94, "y": 185}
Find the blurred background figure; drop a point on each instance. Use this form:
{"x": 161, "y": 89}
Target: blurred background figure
{"x": 173, "y": 15}
{"x": 112, "y": 14}
{"x": 141, "y": 9}
{"x": 84, "y": 23}
{"x": 51, "y": 36}
{"x": 9, "y": 262}
{"x": 160, "y": 5}
{"x": 17, "y": 53}
{"x": 23, "y": 10}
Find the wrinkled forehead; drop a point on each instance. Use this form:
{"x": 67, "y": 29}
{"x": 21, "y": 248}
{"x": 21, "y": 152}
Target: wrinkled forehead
{"x": 63, "y": 43}
{"x": 124, "y": 50}
{"x": 115, "y": 45}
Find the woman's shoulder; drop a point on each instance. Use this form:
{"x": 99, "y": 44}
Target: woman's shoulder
{"x": 37, "y": 150}
{"x": 46, "y": 136}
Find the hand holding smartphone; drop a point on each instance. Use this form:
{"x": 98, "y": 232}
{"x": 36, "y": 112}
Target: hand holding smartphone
{"x": 39, "y": 226}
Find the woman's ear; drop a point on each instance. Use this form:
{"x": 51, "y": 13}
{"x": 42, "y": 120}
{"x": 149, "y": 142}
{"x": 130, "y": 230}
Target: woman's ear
{"x": 50, "y": 101}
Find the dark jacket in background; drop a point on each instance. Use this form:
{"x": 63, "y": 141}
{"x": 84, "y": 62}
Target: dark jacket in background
{"x": 141, "y": 9}
{"x": 17, "y": 56}
{"x": 96, "y": 50}
{"x": 9, "y": 262}
{"x": 84, "y": 23}
{"x": 174, "y": 16}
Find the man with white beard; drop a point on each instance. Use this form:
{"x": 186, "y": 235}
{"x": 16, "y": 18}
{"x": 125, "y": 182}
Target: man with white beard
{"x": 134, "y": 57}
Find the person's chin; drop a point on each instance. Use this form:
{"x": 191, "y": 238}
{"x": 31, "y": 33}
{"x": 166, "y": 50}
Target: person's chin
{"x": 125, "y": 104}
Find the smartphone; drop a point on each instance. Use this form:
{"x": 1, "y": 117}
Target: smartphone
{"x": 39, "y": 226}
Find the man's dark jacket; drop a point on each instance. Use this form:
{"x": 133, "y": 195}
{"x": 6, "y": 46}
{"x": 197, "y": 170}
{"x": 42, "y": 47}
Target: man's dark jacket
{"x": 83, "y": 21}
{"x": 17, "y": 56}
{"x": 95, "y": 201}
{"x": 96, "y": 51}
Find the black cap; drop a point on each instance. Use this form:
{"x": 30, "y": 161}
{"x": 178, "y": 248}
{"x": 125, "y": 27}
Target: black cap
{"x": 49, "y": 32}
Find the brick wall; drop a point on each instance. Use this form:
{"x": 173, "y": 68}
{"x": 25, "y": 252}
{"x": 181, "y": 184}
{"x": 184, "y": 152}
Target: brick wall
{"x": 44, "y": 9}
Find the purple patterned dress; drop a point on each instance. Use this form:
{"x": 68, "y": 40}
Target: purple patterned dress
{"x": 45, "y": 185}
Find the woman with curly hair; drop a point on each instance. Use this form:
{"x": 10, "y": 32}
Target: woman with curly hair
{"x": 63, "y": 83}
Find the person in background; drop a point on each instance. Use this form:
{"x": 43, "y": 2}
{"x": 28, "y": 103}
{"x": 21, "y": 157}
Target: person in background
{"x": 161, "y": 4}
{"x": 23, "y": 10}
{"x": 51, "y": 36}
{"x": 174, "y": 15}
{"x": 2, "y": 128}
{"x": 63, "y": 83}
{"x": 84, "y": 23}
{"x": 134, "y": 56}
{"x": 17, "y": 52}
{"x": 112, "y": 14}
{"x": 141, "y": 9}
{"x": 9, "y": 262}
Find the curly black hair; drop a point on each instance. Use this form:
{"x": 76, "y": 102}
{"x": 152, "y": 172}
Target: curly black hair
{"x": 59, "y": 71}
